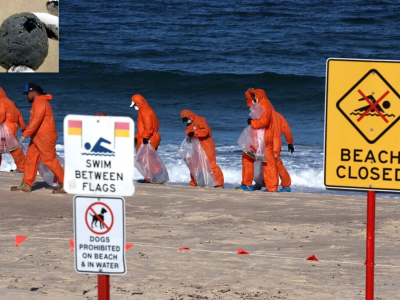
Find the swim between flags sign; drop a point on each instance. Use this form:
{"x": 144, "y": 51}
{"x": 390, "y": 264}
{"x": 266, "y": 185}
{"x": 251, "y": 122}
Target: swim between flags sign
{"x": 99, "y": 155}
{"x": 362, "y": 128}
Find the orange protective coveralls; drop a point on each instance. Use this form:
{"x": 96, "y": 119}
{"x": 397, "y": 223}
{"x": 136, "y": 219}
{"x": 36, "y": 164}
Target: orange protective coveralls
{"x": 271, "y": 125}
{"x": 12, "y": 117}
{"x": 147, "y": 123}
{"x": 203, "y": 132}
{"x": 285, "y": 129}
{"x": 43, "y": 133}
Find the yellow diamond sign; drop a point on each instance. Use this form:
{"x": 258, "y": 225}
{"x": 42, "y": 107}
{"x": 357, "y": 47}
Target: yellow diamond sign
{"x": 372, "y": 106}
{"x": 362, "y": 128}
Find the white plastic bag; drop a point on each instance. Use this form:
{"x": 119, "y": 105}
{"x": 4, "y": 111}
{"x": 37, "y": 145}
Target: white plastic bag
{"x": 251, "y": 141}
{"x": 256, "y": 111}
{"x": 193, "y": 155}
{"x": 150, "y": 164}
{"x": 8, "y": 142}
{"x": 47, "y": 175}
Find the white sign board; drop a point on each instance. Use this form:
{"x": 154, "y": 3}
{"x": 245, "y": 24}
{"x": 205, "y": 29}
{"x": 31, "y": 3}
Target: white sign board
{"x": 99, "y": 233}
{"x": 99, "y": 155}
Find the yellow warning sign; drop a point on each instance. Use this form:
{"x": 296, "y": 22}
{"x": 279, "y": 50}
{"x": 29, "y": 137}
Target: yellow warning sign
{"x": 362, "y": 128}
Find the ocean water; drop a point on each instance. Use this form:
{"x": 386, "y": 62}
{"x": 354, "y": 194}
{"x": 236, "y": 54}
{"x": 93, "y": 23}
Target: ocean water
{"x": 202, "y": 56}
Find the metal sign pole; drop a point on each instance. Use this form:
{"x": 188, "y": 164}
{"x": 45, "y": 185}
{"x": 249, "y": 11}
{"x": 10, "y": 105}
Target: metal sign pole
{"x": 103, "y": 287}
{"x": 370, "y": 262}
{"x": 103, "y": 281}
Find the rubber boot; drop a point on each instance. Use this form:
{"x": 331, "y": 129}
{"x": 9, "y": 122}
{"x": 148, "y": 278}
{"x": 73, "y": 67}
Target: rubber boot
{"x": 248, "y": 188}
{"x": 285, "y": 189}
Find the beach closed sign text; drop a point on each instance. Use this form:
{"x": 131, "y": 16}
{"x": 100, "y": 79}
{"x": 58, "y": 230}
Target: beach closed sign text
{"x": 99, "y": 155}
{"x": 362, "y": 125}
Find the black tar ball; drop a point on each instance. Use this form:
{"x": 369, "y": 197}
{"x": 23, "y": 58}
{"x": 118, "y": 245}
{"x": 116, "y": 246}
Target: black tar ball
{"x": 23, "y": 41}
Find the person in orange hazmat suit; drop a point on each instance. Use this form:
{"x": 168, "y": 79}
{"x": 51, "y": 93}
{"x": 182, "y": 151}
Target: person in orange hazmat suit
{"x": 147, "y": 125}
{"x": 196, "y": 126}
{"x": 12, "y": 117}
{"x": 43, "y": 134}
{"x": 271, "y": 126}
{"x": 282, "y": 172}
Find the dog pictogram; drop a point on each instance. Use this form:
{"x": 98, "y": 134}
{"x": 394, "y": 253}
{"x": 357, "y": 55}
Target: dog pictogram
{"x": 99, "y": 218}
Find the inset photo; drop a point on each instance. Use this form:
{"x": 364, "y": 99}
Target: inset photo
{"x": 29, "y": 36}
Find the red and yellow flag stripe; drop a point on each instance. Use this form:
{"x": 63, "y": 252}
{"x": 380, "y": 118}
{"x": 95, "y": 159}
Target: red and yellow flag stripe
{"x": 74, "y": 127}
{"x": 121, "y": 129}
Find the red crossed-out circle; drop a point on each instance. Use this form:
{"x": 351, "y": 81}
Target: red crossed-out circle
{"x": 372, "y": 106}
{"x": 90, "y": 209}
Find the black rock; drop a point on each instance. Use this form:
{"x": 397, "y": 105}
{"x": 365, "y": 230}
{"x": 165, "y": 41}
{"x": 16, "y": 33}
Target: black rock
{"x": 23, "y": 41}
{"x": 52, "y": 7}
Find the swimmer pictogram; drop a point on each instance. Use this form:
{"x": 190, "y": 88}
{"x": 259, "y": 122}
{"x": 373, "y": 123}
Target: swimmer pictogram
{"x": 372, "y": 106}
{"x": 98, "y": 149}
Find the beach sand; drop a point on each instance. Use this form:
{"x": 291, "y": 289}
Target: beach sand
{"x": 278, "y": 230}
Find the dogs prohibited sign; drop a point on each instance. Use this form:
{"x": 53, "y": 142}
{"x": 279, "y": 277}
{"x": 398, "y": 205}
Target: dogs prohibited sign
{"x": 99, "y": 232}
{"x": 362, "y": 128}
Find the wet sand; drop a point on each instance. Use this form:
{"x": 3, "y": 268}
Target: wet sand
{"x": 278, "y": 230}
